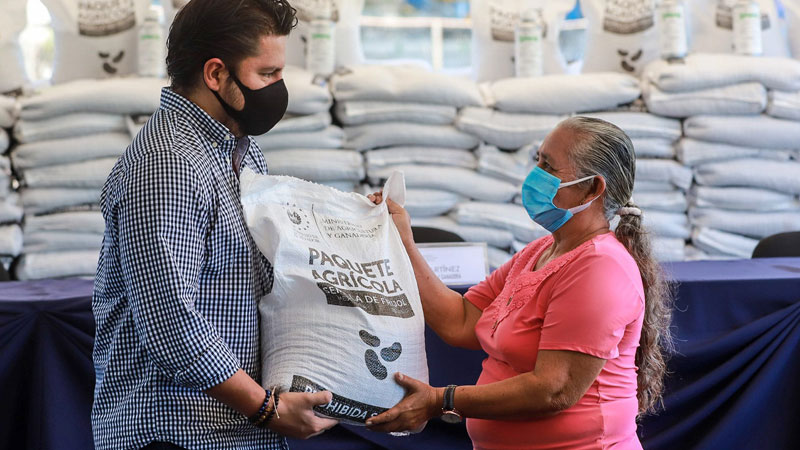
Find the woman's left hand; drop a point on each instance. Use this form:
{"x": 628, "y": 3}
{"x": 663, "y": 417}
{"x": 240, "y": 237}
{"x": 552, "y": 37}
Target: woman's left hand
{"x": 421, "y": 403}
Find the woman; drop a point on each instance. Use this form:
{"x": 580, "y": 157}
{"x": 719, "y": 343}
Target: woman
{"x": 566, "y": 322}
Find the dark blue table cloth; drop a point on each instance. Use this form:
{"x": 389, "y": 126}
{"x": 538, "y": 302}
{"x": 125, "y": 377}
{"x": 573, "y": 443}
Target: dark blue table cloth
{"x": 734, "y": 383}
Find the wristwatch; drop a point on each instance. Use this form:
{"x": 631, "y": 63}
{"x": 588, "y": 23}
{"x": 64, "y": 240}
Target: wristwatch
{"x": 449, "y": 413}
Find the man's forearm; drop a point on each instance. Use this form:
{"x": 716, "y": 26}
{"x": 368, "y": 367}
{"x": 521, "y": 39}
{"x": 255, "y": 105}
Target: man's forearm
{"x": 240, "y": 392}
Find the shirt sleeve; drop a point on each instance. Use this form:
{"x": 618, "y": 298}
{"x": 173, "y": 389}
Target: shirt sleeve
{"x": 483, "y": 294}
{"x": 591, "y": 305}
{"x": 162, "y": 220}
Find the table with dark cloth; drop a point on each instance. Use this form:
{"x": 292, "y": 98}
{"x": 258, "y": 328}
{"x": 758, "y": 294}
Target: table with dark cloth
{"x": 734, "y": 383}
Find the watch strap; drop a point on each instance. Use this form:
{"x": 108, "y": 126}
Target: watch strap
{"x": 448, "y": 404}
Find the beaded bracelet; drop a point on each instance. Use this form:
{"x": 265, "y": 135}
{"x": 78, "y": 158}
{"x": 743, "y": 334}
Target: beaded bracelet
{"x": 258, "y": 418}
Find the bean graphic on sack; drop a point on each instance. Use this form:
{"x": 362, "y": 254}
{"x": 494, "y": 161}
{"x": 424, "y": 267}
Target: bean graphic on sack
{"x": 344, "y": 312}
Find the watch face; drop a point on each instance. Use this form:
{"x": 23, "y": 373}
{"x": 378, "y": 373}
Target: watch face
{"x": 451, "y": 417}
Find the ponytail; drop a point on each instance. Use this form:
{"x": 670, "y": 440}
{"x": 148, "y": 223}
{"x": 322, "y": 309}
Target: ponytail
{"x": 656, "y": 339}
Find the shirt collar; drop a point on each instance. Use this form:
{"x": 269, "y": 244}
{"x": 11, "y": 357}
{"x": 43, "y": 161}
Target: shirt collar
{"x": 216, "y": 132}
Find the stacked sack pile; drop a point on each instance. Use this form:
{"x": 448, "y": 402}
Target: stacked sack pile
{"x": 741, "y": 136}
{"x": 305, "y": 144}
{"x": 70, "y": 136}
{"x": 10, "y": 209}
{"x": 403, "y": 118}
{"x": 525, "y": 110}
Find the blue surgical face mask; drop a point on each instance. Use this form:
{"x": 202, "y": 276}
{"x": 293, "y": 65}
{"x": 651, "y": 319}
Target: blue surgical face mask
{"x": 538, "y": 192}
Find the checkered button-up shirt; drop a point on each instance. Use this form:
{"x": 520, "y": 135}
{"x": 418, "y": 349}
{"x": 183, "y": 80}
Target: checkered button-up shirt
{"x": 175, "y": 297}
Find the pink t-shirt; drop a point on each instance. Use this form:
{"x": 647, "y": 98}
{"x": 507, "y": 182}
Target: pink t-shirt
{"x": 590, "y": 300}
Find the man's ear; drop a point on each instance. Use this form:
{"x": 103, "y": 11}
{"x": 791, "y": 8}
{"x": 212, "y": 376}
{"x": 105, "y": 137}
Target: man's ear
{"x": 215, "y": 73}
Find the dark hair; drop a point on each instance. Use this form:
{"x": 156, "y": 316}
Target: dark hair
{"x": 226, "y": 29}
{"x": 603, "y": 149}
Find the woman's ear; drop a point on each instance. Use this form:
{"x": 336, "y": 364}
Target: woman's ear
{"x": 597, "y": 189}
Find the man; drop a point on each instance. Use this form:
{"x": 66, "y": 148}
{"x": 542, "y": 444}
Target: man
{"x": 177, "y": 348}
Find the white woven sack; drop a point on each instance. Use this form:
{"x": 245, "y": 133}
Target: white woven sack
{"x": 783, "y": 104}
{"x": 363, "y": 112}
{"x": 9, "y": 111}
{"x": 669, "y": 201}
{"x": 96, "y": 39}
{"x": 330, "y": 137}
{"x": 430, "y": 202}
{"x": 404, "y": 84}
{"x": 493, "y": 24}
{"x": 497, "y": 257}
{"x": 305, "y": 97}
{"x": 793, "y": 25}
{"x": 48, "y": 200}
{"x": 299, "y": 124}
{"x": 347, "y": 31}
{"x": 747, "y": 131}
{"x": 721, "y": 243}
{"x": 493, "y": 237}
{"x": 509, "y": 166}
{"x": 666, "y": 224}
{"x": 563, "y": 94}
{"x": 59, "y": 241}
{"x": 735, "y": 99}
{"x": 711, "y": 28}
{"x": 668, "y": 249}
{"x": 86, "y": 174}
{"x": 693, "y": 152}
{"x": 756, "y": 225}
{"x": 505, "y": 130}
{"x": 121, "y": 96}
{"x": 705, "y": 70}
{"x": 5, "y": 142}
{"x": 505, "y": 216}
{"x": 467, "y": 183}
{"x": 85, "y": 221}
{"x": 344, "y": 312}
{"x": 392, "y": 156}
{"x": 67, "y": 126}
{"x": 11, "y": 239}
{"x": 70, "y": 150}
{"x": 742, "y": 199}
{"x": 664, "y": 170}
{"x": 74, "y": 263}
{"x": 10, "y": 210}
{"x": 12, "y": 22}
{"x": 781, "y": 176}
{"x": 621, "y": 36}
{"x": 642, "y": 125}
{"x": 389, "y": 134}
{"x": 654, "y": 147}
{"x": 317, "y": 165}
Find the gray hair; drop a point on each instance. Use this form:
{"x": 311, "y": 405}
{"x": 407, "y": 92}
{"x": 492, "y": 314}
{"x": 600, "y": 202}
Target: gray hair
{"x": 601, "y": 148}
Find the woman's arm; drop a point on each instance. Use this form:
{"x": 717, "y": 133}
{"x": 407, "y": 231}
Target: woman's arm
{"x": 558, "y": 381}
{"x": 451, "y": 316}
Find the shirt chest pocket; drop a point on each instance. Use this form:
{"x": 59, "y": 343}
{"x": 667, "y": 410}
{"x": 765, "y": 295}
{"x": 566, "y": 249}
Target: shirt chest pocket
{"x": 228, "y": 246}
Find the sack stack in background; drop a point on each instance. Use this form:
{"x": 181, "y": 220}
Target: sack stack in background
{"x": 10, "y": 209}
{"x": 526, "y": 110}
{"x": 745, "y": 163}
{"x": 70, "y": 136}
{"x": 305, "y": 144}
{"x": 404, "y": 119}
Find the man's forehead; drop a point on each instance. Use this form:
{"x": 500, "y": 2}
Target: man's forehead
{"x": 271, "y": 53}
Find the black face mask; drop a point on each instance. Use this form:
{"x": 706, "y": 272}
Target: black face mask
{"x": 263, "y": 108}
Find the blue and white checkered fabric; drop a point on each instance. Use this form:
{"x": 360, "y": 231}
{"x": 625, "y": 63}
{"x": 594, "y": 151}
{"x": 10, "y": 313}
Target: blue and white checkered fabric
{"x": 177, "y": 286}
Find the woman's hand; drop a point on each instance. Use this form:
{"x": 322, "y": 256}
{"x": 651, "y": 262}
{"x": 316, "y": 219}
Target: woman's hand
{"x": 421, "y": 403}
{"x": 399, "y": 215}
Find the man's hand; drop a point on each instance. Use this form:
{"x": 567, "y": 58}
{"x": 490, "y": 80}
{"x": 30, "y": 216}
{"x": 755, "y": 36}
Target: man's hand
{"x": 297, "y": 417}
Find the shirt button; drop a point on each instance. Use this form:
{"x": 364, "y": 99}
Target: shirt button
{"x": 213, "y": 145}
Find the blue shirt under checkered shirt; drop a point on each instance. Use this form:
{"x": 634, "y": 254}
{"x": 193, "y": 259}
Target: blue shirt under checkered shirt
{"x": 175, "y": 297}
